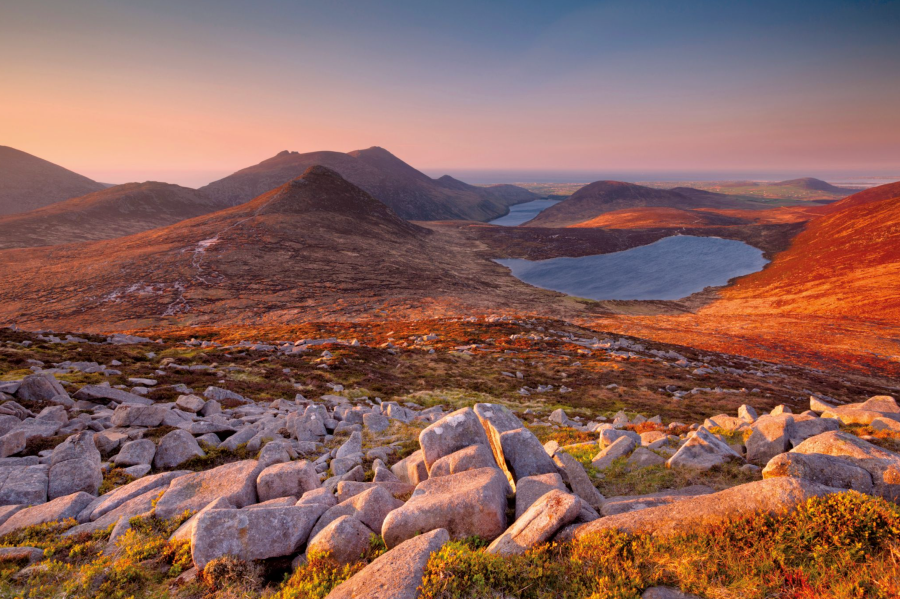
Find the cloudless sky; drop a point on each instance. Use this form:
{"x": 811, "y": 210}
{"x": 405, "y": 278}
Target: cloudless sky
{"x": 189, "y": 90}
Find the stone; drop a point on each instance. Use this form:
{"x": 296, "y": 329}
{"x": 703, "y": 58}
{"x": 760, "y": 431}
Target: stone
{"x": 609, "y": 436}
{"x": 21, "y": 554}
{"x": 112, "y": 500}
{"x": 466, "y": 504}
{"x": 351, "y": 446}
{"x": 558, "y": 416}
{"x": 234, "y": 482}
{"x": 59, "y": 508}
{"x": 131, "y": 415}
{"x": 666, "y": 593}
{"x": 176, "y": 448}
{"x": 136, "y": 506}
{"x": 631, "y": 503}
{"x": 12, "y": 443}
{"x": 348, "y": 488}
{"x": 377, "y": 423}
{"x": 538, "y": 524}
{"x": 109, "y": 440}
{"x": 252, "y": 534}
{"x": 578, "y": 480}
{"x": 346, "y": 539}
{"x": 218, "y": 394}
{"x": 7, "y": 511}
{"x": 103, "y": 395}
{"x": 287, "y": 479}
{"x": 190, "y": 403}
{"x": 23, "y": 485}
{"x": 370, "y": 507}
{"x": 651, "y": 437}
{"x": 806, "y": 427}
{"x": 397, "y": 574}
{"x": 772, "y": 496}
{"x": 39, "y": 387}
{"x": 882, "y": 424}
{"x": 702, "y": 451}
{"x": 74, "y": 467}
{"x": 881, "y": 403}
{"x": 523, "y": 455}
{"x": 468, "y": 458}
{"x": 819, "y": 468}
{"x": 411, "y": 469}
{"x": 309, "y": 426}
{"x": 531, "y": 488}
{"x": 621, "y": 447}
{"x": 747, "y": 413}
{"x": 136, "y": 452}
{"x": 881, "y": 464}
{"x": 320, "y": 495}
{"x": 453, "y": 432}
{"x": 8, "y": 423}
{"x": 186, "y": 530}
{"x": 643, "y": 458}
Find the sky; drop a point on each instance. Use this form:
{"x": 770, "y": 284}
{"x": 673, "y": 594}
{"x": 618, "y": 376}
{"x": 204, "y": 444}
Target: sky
{"x": 187, "y": 91}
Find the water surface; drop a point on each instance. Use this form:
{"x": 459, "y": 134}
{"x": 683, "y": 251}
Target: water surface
{"x": 522, "y": 213}
{"x": 668, "y": 269}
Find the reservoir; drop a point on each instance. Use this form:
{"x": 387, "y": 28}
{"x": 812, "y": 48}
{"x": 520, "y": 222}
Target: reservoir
{"x": 522, "y": 213}
{"x": 669, "y": 269}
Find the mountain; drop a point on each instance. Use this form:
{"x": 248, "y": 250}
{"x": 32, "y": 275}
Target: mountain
{"x": 410, "y": 193}
{"x": 844, "y": 264}
{"x": 28, "y": 182}
{"x": 602, "y": 197}
{"x": 315, "y": 248}
{"x": 813, "y": 184}
{"x": 113, "y": 212}
{"x": 648, "y": 218}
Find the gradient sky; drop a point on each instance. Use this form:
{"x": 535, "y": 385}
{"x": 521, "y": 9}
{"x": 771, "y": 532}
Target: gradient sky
{"x": 189, "y": 90}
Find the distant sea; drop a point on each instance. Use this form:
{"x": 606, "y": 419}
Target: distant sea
{"x": 487, "y": 176}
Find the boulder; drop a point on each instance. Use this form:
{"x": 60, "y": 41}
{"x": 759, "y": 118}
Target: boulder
{"x": 190, "y": 403}
{"x": 820, "y": 468}
{"x": 524, "y": 455}
{"x": 538, "y": 524}
{"x": 532, "y": 488}
{"x": 175, "y": 448}
{"x": 631, "y": 503}
{"x": 218, "y": 394}
{"x": 411, "y": 469}
{"x": 137, "y": 452}
{"x": 346, "y": 539}
{"x": 59, "y": 508}
{"x": 74, "y": 467}
{"x": 39, "y": 387}
{"x": 351, "y": 447}
{"x": 234, "y": 482}
{"x": 643, "y": 458}
{"x": 396, "y": 574}
{"x": 103, "y": 395}
{"x": 770, "y": 436}
{"x": 320, "y": 495}
{"x": 370, "y": 507}
{"x": 112, "y": 500}
{"x": 287, "y": 479}
{"x": 773, "y": 495}
{"x": 468, "y": 458}
{"x": 131, "y": 415}
{"x": 23, "y": 485}
{"x": 747, "y": 413}
{"x": 881, "y": 403}
{"x": 819, "y": 405}
{"x": 453, "y": 432}
{"x": 309, "y": 426}
{"x": 881, "y": 464}
{"x": 608, "y": 436}
{"x": 12, "y": 443}
{"x": 466, "y": 504}
{"x": 619, "y": 448}
{"x": 574, "y": 474}
{"x": 377, "y": 423}
{"x": 807, "y": 426}
{"x": 252, "y": 534}
{"x": 350, "y": 488}
{"x": 702, "y": 451}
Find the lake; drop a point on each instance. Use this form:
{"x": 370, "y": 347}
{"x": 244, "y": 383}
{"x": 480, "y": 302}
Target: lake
{"x": 522, "y": 213}
{"x": 671, "y": 268}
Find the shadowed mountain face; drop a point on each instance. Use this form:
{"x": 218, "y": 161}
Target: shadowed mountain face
{"x": 28, "y": 182}
{"x": 603, "y": 197}
{"x": 408, "y": 192}
{"x": 114, "y": 212}
{"x": 315, "y": 247}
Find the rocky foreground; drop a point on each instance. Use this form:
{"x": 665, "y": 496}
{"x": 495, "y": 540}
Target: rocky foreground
{"x": 160, "y": 468}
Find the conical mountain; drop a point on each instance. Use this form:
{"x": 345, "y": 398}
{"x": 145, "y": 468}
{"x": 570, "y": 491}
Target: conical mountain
{"x": 28, "y": 182}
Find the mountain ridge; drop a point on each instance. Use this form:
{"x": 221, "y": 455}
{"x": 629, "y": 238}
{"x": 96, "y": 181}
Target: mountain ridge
{"x": 28, "y": 182}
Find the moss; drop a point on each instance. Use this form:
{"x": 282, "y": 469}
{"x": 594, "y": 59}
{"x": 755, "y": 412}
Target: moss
{"x": 217, "y": 456}
{"x": 114, "y": 477}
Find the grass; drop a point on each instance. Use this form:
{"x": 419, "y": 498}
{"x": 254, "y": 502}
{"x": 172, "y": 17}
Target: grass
{"x": 840, "y": 546}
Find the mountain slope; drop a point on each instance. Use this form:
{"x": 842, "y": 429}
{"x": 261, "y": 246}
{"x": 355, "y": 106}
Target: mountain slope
{"x": 28, "y": 182}
{"x": 317, "y": 247}
{"x": 844, "y": 264}
{"x": 874, "y": 194}
{"x": 113, "y": 212}
{"x": 813, "y": 184}
{"x": 602, "y": 197}
{"x": 408, "y": 192}
{"x": 648, "y": 218}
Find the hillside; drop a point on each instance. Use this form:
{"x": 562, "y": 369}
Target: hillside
{"x": 317, "y": 246}
{"x": 602, "y": 197}
{"x": 648, "y": 218}
{"x": 813, "y": 184}
{"x": 113, "y": 212}
{"x": 408, "y": 192}
{"x": 28, "y": 182}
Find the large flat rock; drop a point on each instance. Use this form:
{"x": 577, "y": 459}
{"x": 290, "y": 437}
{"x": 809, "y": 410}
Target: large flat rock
{"x": 235, "y": 482}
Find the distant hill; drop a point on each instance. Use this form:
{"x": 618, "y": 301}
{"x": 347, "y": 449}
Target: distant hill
{"x": 316, "y": 247}
{"x": 845, "y": 264}
{"x": 28, "y": 182}
{"x": 649, "y": 218}
{"x": 114, "y": 212}
{"x": 602, "y": 197}
{"x": 410, "y": 193}
{"x": 813, "y": 184}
